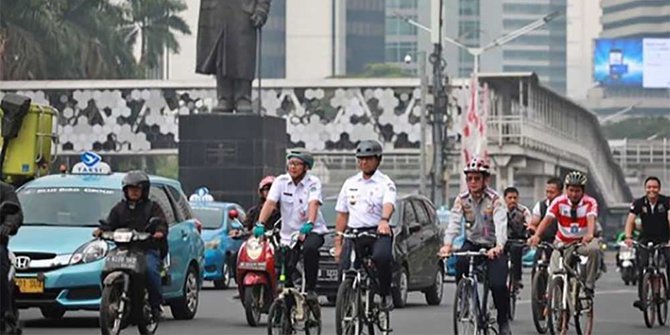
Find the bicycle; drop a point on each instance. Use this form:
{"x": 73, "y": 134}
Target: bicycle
{"x": 291, "y": 311}
{"x": 654, "y": 286}
{"x": 354, "y": 305}
{"x": 540, "y": 279}
{"x": 566, "y": 294}
{"x": 513, "y": 284}
{"x": 471, "y": 316}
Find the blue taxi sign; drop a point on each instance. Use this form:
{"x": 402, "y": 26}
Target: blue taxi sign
{"x": 91, "y": 163}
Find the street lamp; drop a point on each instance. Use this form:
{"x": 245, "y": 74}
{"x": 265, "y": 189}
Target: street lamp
{"x": 424, "y": 93}
{"x": 476, "y": 52}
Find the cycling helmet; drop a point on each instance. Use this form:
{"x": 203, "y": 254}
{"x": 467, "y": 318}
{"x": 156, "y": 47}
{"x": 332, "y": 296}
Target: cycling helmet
{"x": 575, "y": 178}
{"x": 477, "y": 164}
{"x": 303, "y": 155}
{"x": 368, "y": 148}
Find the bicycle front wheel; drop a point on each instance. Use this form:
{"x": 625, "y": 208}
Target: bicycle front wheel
{"x": 511, "y": 288}
{"x": 648, "y": 303}
{"x": 383, "y": 322}
{"x": 662, "y": 299}
{"x": 557, "y": 317}
{"x": 347, "y": 306}
{"x": 583, "y": 313}
{"x": 538, "y": 302}
{"x": 279, "y": 322}
{"x": 465, "y": 312}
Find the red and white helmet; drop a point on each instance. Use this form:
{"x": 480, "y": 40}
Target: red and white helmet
{"x": 477, "y": 164}
{"x": 267, "y": 181}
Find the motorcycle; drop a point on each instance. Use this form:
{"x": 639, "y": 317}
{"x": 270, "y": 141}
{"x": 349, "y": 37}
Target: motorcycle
{"x": 256, "y": 274}
{"x": 627, "y": 263}
{"x": 124, "y": 294}
{"x": 9, "y": 321}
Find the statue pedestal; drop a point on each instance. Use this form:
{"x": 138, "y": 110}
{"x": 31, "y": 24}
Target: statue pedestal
{"x": 230, "y": 153}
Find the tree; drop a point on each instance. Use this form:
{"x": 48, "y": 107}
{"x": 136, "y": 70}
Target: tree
{"x": 155, "y": 22}
{"x": 85, "y": 39}
{"x": 639, "y": 127}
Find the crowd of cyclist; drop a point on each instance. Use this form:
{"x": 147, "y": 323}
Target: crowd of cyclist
{"x": 366, "y": 203}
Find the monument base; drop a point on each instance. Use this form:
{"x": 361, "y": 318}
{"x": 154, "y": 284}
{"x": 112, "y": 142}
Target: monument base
{"x": 230, "y": 153}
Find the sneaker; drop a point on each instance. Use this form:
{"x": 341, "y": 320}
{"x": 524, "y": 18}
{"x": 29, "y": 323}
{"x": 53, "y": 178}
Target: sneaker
{"x": 638, "y": 304}
{"x": 504, "y": 329}
{"x": 387, "y": 303}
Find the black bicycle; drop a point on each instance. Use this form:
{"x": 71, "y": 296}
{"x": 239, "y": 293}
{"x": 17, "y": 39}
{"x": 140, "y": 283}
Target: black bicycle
{"x": 513, "y": 283}
{"x": 291, "y": 311}
{"x": 356, "y": 312}
{"x": 540, "y": 281}
{"x": 654, "y": 285}
{"x": 472, "y": 316}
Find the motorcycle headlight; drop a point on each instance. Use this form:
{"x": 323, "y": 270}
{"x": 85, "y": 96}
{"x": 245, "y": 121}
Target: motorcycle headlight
{"x": 254, "y": 248}
{"x": 213, "y": 243}
{"x": 90, "y": 252}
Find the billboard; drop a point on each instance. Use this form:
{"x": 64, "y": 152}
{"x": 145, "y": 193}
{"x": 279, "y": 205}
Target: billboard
{"x": 640, "y": 62}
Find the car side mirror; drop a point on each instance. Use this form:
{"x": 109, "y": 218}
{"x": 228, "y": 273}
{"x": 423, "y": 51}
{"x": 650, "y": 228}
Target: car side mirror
{"x": 233, "y": 214}
{"x": 414, "y": 227}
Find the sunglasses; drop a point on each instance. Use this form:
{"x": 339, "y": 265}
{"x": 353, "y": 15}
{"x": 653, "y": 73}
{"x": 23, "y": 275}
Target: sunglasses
{"x": 295, "y": 163}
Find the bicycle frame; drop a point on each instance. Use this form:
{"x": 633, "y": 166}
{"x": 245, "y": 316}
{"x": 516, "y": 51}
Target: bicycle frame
{"x": 483, "y": 316}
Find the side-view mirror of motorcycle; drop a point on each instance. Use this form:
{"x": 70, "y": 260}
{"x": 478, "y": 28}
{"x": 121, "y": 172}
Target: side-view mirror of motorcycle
{"x": 233, "y": 214}
{"x": 153, "y": 223}
{"x": 9, "y": 208}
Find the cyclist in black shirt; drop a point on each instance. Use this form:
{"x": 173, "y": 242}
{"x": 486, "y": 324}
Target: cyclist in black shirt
{"x": 654, "y": 211}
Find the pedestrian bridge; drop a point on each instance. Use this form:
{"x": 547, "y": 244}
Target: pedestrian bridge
{"x": 533, "y": 132}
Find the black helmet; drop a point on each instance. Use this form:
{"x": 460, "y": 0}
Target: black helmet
{"x": 575, "y": 178}
{"x": 368, "y": 148}
{"x": 139, "y": 179}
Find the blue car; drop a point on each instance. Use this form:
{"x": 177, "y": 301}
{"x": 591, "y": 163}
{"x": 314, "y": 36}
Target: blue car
{"x": 218, "y": 220}
{"x": 61, "y": 263}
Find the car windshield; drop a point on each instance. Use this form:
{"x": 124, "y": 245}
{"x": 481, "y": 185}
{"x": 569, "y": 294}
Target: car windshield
{"x": 328, "y": 212}
{"x": 210, "y": 217}
{"x": 67, "y": 206}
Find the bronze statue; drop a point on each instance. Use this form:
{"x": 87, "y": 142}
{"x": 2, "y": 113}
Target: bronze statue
{"x": 227, "y": 33}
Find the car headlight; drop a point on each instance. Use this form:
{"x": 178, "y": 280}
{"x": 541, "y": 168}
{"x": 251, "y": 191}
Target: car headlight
{"x": 213, "y": 243}
{"x": 90, "y": 252}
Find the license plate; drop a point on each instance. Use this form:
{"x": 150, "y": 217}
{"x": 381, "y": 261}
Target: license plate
{"x": 328, "y": 274}
{"x": 30, "y": 285}
{"x": 122, "y": 262}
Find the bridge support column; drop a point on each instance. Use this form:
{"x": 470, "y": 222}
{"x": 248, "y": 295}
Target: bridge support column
{"x": 539, "y": 183}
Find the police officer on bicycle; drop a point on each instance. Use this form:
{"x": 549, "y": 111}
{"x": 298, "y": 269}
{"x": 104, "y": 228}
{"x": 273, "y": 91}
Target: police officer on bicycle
{"x": 9, "y": 225}
{"x": 366, "y": 202}
{"x": 518, "y": 217}
{"x": 485, "y": 218}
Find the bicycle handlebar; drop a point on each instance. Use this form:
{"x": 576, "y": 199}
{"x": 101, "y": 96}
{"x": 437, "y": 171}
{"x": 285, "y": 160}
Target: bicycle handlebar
{"x": 356, "y": 234}
{"x": 481, "y": 252}
{"x": 651, "y": 246}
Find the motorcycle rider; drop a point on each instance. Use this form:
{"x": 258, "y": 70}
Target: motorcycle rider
{"x": 485, "y": 215}
{"x": 518, "y": 217}
{"x": 253, "y": 212}
{"x": 9, "y": 226}
{"x": 576, "y": 214}
{"x": 134, "y": 211}
{"x": 298, "y": 194}
{"x": 654, "y": 211}
{"x": 366, "y": 202}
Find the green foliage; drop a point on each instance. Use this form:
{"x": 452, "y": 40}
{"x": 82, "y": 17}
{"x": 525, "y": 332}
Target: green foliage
{"x": 85, "y": 39}
{"x": 639, "y": 128}
{"x": 381, "y": 70}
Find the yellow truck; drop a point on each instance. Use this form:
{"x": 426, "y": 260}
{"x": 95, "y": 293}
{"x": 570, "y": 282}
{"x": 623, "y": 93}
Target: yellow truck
{"x": 27, "y": 138}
